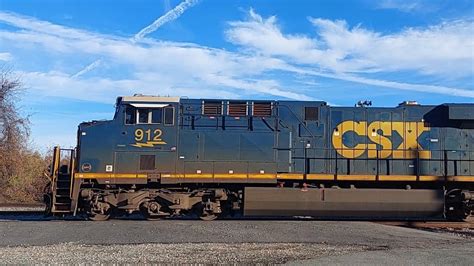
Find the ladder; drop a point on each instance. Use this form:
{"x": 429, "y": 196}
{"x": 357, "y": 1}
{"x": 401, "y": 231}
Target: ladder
{"x": 62, "y": 172}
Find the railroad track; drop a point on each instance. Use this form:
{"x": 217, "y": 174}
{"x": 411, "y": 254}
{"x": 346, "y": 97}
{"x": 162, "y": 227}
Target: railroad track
{"x": 431, "y": 224}
{"x": 21, "y": 208}
{"x": 464, "y": 229}
{"x": 8, "y": 208}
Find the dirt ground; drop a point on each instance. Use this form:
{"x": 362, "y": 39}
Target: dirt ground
{"x": 32, "y": 239}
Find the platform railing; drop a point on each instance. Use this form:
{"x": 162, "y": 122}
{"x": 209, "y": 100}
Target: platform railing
{"x": 447, "y": 162}
{"x": 441, "y": 163}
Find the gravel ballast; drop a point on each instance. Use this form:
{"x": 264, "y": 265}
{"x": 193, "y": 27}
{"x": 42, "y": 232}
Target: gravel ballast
{"x": 36, "y": 240}
{"x": 199, "y": 253}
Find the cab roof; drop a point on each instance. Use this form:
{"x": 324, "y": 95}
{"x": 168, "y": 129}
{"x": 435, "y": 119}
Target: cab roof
{"x": 150, "y": 99}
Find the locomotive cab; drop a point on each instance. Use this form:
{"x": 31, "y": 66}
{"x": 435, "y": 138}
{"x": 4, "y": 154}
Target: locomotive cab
{"x": 148, "y": 135}
{"x": 139, "y": 140}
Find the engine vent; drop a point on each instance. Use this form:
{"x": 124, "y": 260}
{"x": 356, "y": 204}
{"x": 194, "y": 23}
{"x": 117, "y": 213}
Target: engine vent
{"x": 212, "y": 108}
{"x": 237, "y": 109}
{"x": 262, "y": 109}
{"x": 311, "y": 113}
{"x": 147, "y": 162}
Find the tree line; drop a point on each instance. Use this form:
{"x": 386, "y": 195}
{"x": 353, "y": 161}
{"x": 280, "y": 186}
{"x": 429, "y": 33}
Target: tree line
{"x": 22, "y": 168}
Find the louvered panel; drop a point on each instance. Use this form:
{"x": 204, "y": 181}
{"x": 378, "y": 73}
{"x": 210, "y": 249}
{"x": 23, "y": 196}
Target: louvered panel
{"x": 212, "y": 108}
{"x": 237, "y": 109}
{"x": 311, "y": 113}
{"x": 262, "y": 109}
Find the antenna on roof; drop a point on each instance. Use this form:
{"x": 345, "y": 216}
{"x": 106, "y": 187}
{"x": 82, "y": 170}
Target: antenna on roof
{"x": 408, "y": 103}
{"x": 365, "y": 103}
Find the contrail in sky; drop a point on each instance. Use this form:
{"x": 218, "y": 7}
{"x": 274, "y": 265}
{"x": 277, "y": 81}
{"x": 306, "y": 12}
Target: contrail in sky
{"x": 169, "y": 16}
{"x": 88, "y": 68}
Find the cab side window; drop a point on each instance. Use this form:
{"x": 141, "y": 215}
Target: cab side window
{"x": 143, "y": 115}
{"x": 157, "y": 116}
{"x": 130, "y": 115}
{"x": 135, "y": 115}
{"x": 169, "y": 116}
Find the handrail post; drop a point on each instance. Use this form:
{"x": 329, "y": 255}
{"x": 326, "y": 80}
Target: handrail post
{"x": 54, "y": 174}
{"x": 445, "y": 161}
{"x": 417, "y": 165}
{"x": 377, "y": 161}
{"x": 72, "y": 164}
{"x": 56, "y": 163}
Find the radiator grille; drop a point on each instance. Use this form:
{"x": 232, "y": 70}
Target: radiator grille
{"x": 262, "y": 109}
{"x": 147, "y": 162}
{"x": 237, "y": 108}
{"x": 212, "y": 108}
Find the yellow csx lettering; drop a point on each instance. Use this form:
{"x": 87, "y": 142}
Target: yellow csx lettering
{"x": 379, "y": 133}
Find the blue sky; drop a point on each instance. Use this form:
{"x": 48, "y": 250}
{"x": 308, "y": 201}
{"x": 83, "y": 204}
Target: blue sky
{"x": 76, "y": 57}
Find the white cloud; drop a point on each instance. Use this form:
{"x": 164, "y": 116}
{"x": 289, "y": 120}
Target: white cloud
{"x": 264, "y": 36}
{"x": 167, "y": 17}
{"x": 190, "y": 65}
{"x": 5, "y": 57}
{"x": 445, "y": 49}
{"x": 411, "y": 6}
{"x": 269, "y": 61}
{"x": 402, "y": 5}
{"x": 385, "y": 83}
{"x": 33, "y": 24}
{"x": 105, "y": 90}
{"x": 336, "y": 51}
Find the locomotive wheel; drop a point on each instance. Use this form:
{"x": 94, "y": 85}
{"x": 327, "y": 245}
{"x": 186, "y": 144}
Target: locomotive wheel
{"x": 208, "y": 216}
{"x": 98, "y": 216}
{"x": 205, "y": 213}
{"x": 101, "y": 212}
{"x": 151, "y": 210}
{"x": 149, "y": 216}
{"x": 456, "y": 216}
{"x": 456, "y": 210}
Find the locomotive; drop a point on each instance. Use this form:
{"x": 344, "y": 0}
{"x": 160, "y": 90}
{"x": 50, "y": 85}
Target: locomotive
{"x": 172, "y": 156}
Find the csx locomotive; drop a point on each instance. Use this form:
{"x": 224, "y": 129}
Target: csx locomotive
{"x": 170, "y": 156}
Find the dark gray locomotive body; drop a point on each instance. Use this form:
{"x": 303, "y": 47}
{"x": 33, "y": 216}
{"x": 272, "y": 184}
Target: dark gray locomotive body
{"x": 168, "y": 156}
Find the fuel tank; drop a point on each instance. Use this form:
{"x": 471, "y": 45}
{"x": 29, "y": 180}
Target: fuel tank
{"x": 351, "y": 203}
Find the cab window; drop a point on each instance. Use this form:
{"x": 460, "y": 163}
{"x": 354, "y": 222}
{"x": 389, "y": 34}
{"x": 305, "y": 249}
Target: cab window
{"x": 160, "y": 115}
{"x": 150, "y": 115}
{"x": 157, "y": 116}
{"x": 143, "y": 116}
{"x": 169, "y": 116}
{"x": 130, "y": 115}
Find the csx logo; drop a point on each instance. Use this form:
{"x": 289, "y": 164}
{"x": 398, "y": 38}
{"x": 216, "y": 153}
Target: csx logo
{"x": 380, "y": 133}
